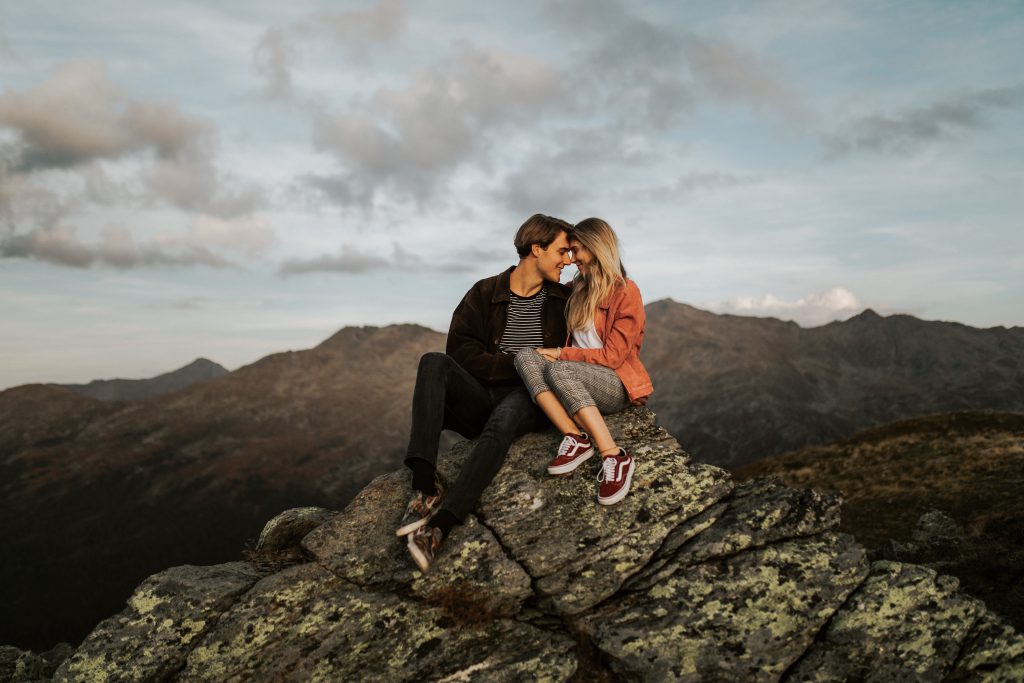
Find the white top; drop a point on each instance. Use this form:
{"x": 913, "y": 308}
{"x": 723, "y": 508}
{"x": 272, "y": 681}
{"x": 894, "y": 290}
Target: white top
{"x": 587, "y": 338}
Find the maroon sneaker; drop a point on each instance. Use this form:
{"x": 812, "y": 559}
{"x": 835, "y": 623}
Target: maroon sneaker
{"x": 616, "y": 475}
{"x": 573, "y": 451}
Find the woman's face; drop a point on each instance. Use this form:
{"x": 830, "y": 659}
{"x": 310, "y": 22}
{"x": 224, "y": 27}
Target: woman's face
{"x": 581, "y": 256}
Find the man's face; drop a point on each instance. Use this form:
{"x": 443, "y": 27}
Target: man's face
{"x": 550, "y": 261}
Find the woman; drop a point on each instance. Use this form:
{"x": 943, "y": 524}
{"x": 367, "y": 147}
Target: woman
{"x": 600, "y": 372}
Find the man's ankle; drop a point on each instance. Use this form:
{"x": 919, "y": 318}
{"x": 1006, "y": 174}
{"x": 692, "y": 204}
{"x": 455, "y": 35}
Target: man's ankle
{"x": 423, "y": 477}
{"x": 445, "y": 521}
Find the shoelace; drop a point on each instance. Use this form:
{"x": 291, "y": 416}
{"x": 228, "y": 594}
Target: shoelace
{"x": 566, "y": 444}
{"x": 607, "y": 472}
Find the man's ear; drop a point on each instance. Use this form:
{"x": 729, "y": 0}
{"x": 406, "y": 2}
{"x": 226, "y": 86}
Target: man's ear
{"x": 536, "y": 250}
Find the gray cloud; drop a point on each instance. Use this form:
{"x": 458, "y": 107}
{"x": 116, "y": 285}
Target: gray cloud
{"x": 7, "y": 51}
{"x": 656, "y": 75}
{"x": 274, "y": 56}
{"x": 349, "y": 259}
{"x": 540, "y": 188}
{"x": 79, "y": 119}
{"x": 695, "y": 182}
{"x": 80, "y": 115}
{"x": 355, "y": 32}
{"x": 195, "y": 184}
{"x": 354, "y": 260}
{"x": 907, "y": 130}
{"x": 115, "y": 247}
{"x": 406, "y": 140}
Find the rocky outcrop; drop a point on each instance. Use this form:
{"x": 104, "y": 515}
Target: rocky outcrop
{"x": 690, "y": 578}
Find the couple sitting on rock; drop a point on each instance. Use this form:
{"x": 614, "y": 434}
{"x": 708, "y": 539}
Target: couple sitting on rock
{"x": 522, "y": 346}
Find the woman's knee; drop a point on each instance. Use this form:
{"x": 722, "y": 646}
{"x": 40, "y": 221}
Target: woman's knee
{"x": 526, "y": 358}
{"x": 558, "y": 372}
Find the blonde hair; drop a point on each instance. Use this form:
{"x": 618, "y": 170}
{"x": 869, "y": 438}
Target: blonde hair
{"x": 603, "y": 277}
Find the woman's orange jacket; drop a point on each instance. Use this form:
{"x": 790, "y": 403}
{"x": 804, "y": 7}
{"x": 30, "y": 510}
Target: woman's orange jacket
{"x": 619, "y": 321}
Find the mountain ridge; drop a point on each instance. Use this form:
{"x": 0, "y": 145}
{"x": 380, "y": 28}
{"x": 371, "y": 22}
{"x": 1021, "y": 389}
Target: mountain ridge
{"x": 199, "y": 370}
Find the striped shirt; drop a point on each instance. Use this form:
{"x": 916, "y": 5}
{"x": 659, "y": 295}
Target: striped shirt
{"x": 524, "y": 327}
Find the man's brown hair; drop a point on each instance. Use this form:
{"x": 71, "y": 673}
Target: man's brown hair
{"x": 539, "y": 229}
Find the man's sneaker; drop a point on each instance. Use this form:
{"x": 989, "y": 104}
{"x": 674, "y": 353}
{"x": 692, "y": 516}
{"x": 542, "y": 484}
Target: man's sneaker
{"x": 573, "y": 451}
{"x": 615, "y": 477}
{"x": 419, "y": 510}
{"x": 423, "y": 544}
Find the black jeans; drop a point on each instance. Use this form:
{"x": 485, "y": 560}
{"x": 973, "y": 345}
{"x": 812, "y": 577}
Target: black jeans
{"x": 448, "y": 397}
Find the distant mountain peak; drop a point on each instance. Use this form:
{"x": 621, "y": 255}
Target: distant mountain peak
{"x": 199, "y": 370}
{"x": 868, "y": 314}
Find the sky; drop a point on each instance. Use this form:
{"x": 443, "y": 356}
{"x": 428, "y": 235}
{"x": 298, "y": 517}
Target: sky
{"x": 229, "y": 180}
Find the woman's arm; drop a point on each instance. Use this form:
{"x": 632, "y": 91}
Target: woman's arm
{"x": 626, "y": 329}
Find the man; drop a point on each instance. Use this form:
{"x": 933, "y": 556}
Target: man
{"x": 474, "y": 388}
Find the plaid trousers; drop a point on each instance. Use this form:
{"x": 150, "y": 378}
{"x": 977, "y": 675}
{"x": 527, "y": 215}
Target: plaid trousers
{"x": 577, "y": 384}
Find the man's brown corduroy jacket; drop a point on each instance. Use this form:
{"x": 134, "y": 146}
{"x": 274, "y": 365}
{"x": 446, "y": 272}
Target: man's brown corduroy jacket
{"x": 479, "y": 321}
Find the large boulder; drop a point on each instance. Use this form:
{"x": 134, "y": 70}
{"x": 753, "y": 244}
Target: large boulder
{"x": 689, "y": 578}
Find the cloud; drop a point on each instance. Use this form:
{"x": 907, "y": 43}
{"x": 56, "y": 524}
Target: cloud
{"x": 406, "y": 140}
{"x": 116, "y": 247}
{"x": 204, "y": 243}
{"x": 274, "y": 56}
{"x": 540, "y": 188}
{"x": 695, "y": 182}
{"x": 251, "y": 236}
{"x": 353, "y": 259}
{"x": 907, "y": 130}
{"x": 811, "y": 311}
{"x": 349, "y": 259}
{"x": 79, "y": 115}
{"x": 7, "y": 51}
{"x": 657, "y": 75}
{"x": 194, "y": 184}
{"x": 355, "y": 32}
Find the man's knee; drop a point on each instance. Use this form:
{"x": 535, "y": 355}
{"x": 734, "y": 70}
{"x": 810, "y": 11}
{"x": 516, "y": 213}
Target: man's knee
{"x": 434, "y": 363}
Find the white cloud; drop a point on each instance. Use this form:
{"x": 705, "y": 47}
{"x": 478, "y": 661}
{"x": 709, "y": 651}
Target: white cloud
{"x": 810, "y": 311}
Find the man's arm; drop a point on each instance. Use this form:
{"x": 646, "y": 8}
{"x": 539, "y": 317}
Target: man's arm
{"x": 467, "y": 342}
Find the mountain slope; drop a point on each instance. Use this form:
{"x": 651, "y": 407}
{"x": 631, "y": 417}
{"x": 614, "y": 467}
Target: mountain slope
{"x": 737, "y": 389}
{"x": 94, "y": 496}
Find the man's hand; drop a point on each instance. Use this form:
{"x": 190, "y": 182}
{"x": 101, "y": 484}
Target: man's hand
{"x": 550, "y": 354}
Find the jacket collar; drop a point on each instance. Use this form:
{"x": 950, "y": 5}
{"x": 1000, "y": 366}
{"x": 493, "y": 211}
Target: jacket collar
{"x": 501, "y": 288}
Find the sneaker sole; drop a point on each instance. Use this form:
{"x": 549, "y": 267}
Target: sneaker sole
{"x": 569, "y": 467}
{"x": 412, "y": 526}
{"x": 417, "y": 555}
{"x": 621, "y": 493}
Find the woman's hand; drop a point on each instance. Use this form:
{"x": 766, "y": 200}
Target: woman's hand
{"x": 550, "y": 354}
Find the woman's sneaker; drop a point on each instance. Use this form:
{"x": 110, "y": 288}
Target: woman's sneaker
{"x": 423, "y": 545}
{"x": 615, "y": 477}
{"x": 573, "y": 451}
{"x": 419, "y": 510}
